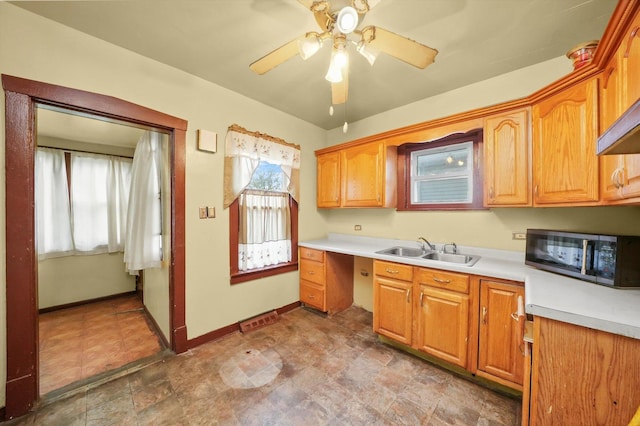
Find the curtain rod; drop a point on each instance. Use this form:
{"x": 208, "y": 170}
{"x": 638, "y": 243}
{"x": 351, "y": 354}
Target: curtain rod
{"x": 79, "y": 150}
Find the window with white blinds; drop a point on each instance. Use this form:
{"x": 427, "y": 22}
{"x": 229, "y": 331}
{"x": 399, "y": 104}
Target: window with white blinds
{"x": 442, "y": 175}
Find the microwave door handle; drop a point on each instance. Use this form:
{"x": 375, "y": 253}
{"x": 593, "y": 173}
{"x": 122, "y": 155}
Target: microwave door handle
{"x": 585, "y": 246}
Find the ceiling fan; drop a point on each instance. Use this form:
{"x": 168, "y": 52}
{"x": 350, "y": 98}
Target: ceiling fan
{"x": 339, "y": 21}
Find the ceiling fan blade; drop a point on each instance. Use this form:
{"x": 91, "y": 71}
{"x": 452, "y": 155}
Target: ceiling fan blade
{"x": 275, "y": 58}
{"x": 403, "y": 48}
{"x": 340, "y": 91}
{"x": 306, "y": 3}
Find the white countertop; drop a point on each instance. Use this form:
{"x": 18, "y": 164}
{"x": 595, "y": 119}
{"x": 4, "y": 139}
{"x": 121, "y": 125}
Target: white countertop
{"x": 546, "y": 294}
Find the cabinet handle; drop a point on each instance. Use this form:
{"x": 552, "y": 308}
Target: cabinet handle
{"x": 441, "y": 281}
{"x": 535, "y": 190}
{"x": 408, "y": 295}
{"x": 311, "y": 272}
{"x": 311, "y": 296}
{"x": 421, "y": 296}
{"x": 619, "y": 178}
{"x": 491, "y": 193}
{"x": 632, "y": 35}
{"x": 514, "y": 316}
{"x": 484, "y": 314}
{"x": 392, "y": 271}
{"x": 614, "y": 179}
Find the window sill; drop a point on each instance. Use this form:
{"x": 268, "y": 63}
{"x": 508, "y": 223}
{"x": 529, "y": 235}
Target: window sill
{"x": 240, "y": 277}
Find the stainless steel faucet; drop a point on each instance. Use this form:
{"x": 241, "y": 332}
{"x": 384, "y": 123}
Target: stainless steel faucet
{"x": 426, "y": 243}
{"x": 454, "y": 248}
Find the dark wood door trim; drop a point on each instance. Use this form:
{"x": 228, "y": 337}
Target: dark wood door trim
{"x": 21, "y": 98}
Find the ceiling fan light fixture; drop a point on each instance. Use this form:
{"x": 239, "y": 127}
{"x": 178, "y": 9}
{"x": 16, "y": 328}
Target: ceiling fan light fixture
{"x": 338, "y": 64}
{"x": 309, "y": 46}
{"x": 368, "y": 52}
{"x": 347, "y": 20}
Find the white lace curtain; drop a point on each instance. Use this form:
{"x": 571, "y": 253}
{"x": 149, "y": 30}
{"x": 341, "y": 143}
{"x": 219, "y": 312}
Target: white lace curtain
{"x": 243, "y": 152}
{"x": 264, "y": 234}
{"x": 89, "y": 220}
{"x": 265, "y": 229}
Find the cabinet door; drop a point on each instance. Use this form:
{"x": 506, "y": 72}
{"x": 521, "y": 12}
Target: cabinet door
{"x": 443, "y": 324}
{"x": 565, "y": 129}
{"x": 610, "y": 109}
{"x": 363, "y": 175}
{"x": 631, "y": 93}
{"x": 631, "y": 63}
{"x": 500, "y": 350}
{"x": 506, "y": 160}
{"x": 328, "y": 180}
{"x": 582, "y": 376}
{"x": 392, "y": 312}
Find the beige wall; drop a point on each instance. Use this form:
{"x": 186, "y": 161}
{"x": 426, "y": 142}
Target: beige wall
{"x": 71, "y": 279}
{"x": 35, "y": 48}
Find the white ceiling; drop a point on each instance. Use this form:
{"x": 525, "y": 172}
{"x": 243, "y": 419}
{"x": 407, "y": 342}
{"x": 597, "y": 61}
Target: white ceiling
{"x": 218, "y": 39}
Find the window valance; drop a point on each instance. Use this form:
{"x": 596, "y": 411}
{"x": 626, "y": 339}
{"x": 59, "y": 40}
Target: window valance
{"x": 243, "y": 152}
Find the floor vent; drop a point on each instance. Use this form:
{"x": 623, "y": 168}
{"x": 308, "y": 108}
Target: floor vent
{"x": 260, "y": 321}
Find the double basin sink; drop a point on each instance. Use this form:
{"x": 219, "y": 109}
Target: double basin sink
{"x": 418, "y": 253}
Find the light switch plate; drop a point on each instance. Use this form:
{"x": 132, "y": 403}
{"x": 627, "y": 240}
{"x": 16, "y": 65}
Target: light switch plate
{"x": 211, "y": 212}
{"x": 202, "y": 212}
{"x": 207, "y": 141}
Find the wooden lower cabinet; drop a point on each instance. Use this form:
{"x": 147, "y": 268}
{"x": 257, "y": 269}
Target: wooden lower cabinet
{"x": 465, "y": 320}
{"x": 326, "y": 280}
{"x": 392, "y": 301}
{"x": 442, "y": 314}
{"x": 582, "y": 376}
{"x": 442, "y": 324}
{"x": 500, "y": 345}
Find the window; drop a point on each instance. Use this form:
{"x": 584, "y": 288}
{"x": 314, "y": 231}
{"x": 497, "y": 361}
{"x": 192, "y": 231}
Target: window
{"x": 261, "y": 189}
{"x": 441, "y": 174}
{"x": 266, "y": 219}
{"x": 81, "y": 202}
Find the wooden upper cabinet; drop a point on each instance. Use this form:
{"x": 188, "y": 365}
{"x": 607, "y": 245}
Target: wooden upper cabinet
{"x": 631, "y": 63}
{"x": 500, "y": 348}
{"x": 620, "y": 174}
{"x": 358, "y": 176}
{"x": 507, "y": 171}
{"x": 328, "y": 180}
{"x": 363, "y": 175}
{"x": 565, "y": 131}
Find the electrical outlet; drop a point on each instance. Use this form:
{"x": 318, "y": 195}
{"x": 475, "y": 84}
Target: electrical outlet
{"x": 519, "y": 235}
{"x": 357, "y": 228}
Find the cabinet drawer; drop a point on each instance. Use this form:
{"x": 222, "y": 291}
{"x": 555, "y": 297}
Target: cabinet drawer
{"x": 311, "y": 294}
{"x": 312, "y": 254}
{"x": 442, "y": 279}
{"x": 393, "y": 270}
{"x": 312, "y": 271}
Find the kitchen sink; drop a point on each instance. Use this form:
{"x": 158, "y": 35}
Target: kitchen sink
{"x": 463, "y": 259}
{"x": 403, "y": 251}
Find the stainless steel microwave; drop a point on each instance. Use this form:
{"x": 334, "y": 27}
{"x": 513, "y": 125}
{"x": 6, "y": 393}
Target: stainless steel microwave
{"x": 611, "y": 260}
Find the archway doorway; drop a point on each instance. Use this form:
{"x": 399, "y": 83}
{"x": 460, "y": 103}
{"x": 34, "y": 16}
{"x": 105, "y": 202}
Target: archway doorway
{"x": 21, "y": 99}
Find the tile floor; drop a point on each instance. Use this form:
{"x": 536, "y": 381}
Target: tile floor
{"x": 303, "y": 370}
{"x": 83, "y": 341}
